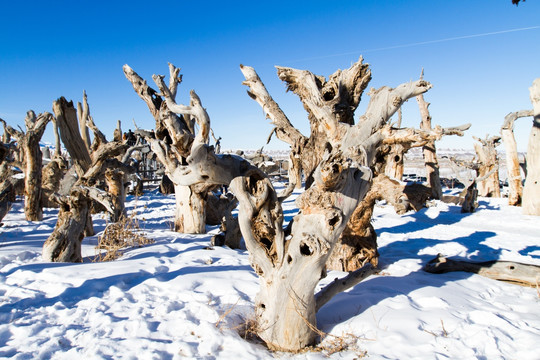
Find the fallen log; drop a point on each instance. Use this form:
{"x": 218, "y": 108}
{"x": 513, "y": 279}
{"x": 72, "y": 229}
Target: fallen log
{"x": 513, "y": 272}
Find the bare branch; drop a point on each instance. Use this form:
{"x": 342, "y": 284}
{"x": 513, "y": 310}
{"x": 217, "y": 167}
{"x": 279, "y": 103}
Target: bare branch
{"x": 174, "y": 80}
{"x": 149, "y": 95}
{"x": 98, "y": 195}
{"x": 66, "y": 118}
{"x": 194, "y": 109}
{"x": 257, "y": 91}
{"x": 513, "y": 116}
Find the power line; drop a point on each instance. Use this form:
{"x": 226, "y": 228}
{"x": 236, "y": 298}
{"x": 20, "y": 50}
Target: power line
{"x": 419, "y": 43}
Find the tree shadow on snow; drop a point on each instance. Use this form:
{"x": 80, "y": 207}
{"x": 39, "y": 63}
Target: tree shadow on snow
{"x": 376, "y": 289}
{"x": 98, "y": 287}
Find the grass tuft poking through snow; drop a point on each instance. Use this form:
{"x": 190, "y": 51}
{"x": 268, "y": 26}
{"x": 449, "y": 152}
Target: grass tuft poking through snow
{"x": 120, "y": 236}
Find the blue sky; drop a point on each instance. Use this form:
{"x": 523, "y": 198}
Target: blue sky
{"x": 480, "y": 70}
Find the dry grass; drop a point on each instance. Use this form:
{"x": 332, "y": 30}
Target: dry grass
{"x": 120, "y": 236}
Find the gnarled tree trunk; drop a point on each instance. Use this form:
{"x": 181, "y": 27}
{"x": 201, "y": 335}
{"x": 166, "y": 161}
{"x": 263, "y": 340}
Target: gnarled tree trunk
{"x": 488, "y": 162}
{"x": 190, "y": 210}
{"x": 429, "y": 149}
{"x": 289, "y": 271}
{"x": 32, "y": 162}
{"x": 531, "y": 191}
{"x": 64, "y": 244}
{"x": 513, "y": 168}
{"x": 74, "y": 220}
{"x": 175, "y": 132}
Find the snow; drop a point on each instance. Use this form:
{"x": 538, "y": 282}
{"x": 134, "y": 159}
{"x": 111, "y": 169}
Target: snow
{"x": 181, "y": 299}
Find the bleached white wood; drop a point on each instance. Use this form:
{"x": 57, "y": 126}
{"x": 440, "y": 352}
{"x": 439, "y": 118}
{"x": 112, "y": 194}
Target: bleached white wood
{"x": 531, "y": 190}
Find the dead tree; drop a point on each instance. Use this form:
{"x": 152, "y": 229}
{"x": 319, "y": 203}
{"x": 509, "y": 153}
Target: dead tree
{"x": 531, "y": 190}
{"x": 429, "y": 149}
{"x": 175, "y": 134}
{"x": 290, "y": 269}
{"x": 467, "y": 198}
{"x": 512, "y": 162}
{"x": 8, "y": 182}
{"x": 32, "y": 161}
{"x": 335, "y": 159}
{"x": 488, "y": 160}
{"x": 64, "y": 244}
{"x": 358, "y": 244}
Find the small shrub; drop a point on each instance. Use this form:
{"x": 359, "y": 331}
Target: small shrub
{"x": 120, "y": 236}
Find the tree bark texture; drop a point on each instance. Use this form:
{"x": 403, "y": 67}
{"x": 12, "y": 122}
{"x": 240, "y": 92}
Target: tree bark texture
{"x": 531, "y": 190}
{"x": 33, "y": 163}
{"x": 52, "y": 175}
{"x": 513, "y": 168}
{"x": 114, "y": 179}
{"x": 395, "y": 162}
{"x": 429, "y": 150}
{"x": 190, "y": 210}
{"x": 489, "y": 162}
{"x": 517, "y": 273}
{"x": 64, "y": 244}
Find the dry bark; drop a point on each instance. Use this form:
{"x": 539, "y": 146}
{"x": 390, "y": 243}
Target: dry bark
{"x": 83, "y": 111}
{"x": 8, "y": 183}
{"x": 488, "y": 160}
{"x": 512, "y": 162}
{"x": 429, "y": 149}
{"x": 358, "y": 242}
{"x": 114, "y": 178}
{"x": 52, "y": 175}
{"x": 64, "y": 244}
{"x": 32, "y": 162}
{"x": 517, "y": 273}
{"x": 531, "y": 190}
{"x": 222, "y": 208}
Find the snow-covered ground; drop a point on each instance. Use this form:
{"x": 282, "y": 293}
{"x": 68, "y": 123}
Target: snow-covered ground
{"x": 178, "y": 298}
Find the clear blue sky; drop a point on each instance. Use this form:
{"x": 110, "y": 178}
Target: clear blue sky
{"x": 479, "y": 69}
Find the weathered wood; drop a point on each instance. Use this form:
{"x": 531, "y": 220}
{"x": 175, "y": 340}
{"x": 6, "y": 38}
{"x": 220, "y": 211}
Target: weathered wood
{"x": 190, "y": 210}
{"x": 488, "y": 160}
{"x": 83, "y": 111}
{"x": 77, "y": 191}
{"x": 8, "y": 185}
{"x": 166, "y": 186}
{"x": 114, "y": 179}
{"x": 175, "y": 140}
{"x": 64, "y": 244}
{"x": 429, "y": 150}
{"x": 52, "y": 175}
{"x": 531, "y": 190}
{"x": 230, "y": 235}
{"x": 517, "y": 273}
{"x": 512, "y": 162}
{"x": 117, "y": 134}
{"x": 332, "y": 158}
{"x": 66, "y": 118}
{"x": 358, "y": 242}
{"x": 467, "y": 199}
{"x": 32, "y": 161}
{"x": 313, "y": 234}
